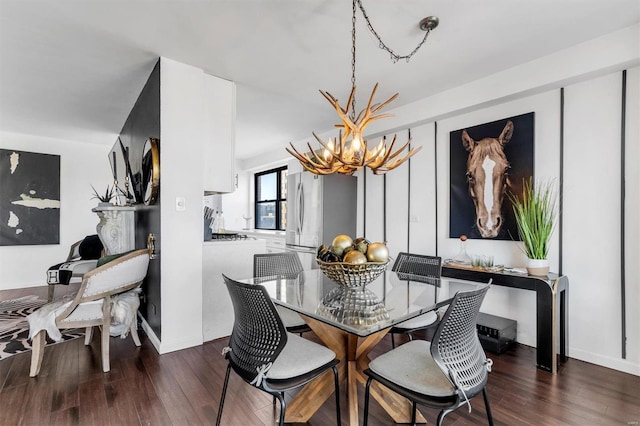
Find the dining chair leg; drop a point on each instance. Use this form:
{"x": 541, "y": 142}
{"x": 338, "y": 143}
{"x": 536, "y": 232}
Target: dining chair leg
{"x": 366, "y": 401}
{"x": 487, "y": 407}
{"x": 37, "y": 351}
{"x": 393, "y": 341}
{"x": 414, "y": 409}
{"x": 106, "y": 328}
{"x": 337, "y": 392}
{"x": 224, "y": 393}
{"x": 441, "y": 416}
{"x": 88, "y": 334}
{"x": 410, "y": 337}
{"x": 283, "y": 407}
{"x": 134, "y": 334}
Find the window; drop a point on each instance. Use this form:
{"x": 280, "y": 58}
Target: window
{"x": 271, "y": 199}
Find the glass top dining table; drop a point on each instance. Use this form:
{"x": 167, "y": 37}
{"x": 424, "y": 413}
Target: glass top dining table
{"x": 389, "y": 300}
{"x": 351, "y": 322}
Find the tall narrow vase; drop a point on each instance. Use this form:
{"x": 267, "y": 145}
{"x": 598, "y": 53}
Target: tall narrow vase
{"x": 538, "y": 266}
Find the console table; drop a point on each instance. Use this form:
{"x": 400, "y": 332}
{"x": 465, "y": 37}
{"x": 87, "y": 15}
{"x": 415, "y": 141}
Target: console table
{"x": 552, "y": 308}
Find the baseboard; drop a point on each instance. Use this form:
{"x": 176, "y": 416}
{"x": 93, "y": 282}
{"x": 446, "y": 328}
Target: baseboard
{"x": 166, "y": 347}
{"x": 623, "y": 365}
{"x": 150, "y": 334}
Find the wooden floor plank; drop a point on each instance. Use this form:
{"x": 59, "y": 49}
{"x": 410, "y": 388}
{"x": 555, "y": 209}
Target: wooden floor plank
{"x": 11, "y": 400}
{"x": 93, "y": 403}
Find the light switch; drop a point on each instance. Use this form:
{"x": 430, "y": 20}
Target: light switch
{"x": 181, "y": 204}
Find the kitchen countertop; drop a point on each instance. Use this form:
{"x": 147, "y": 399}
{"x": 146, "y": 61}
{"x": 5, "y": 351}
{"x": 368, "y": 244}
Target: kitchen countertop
{"x": 259, "y": 231}
{"x": 233, "y": 242}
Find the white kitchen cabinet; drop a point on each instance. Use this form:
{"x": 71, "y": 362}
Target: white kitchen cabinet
{"x": 235, "y": 260}
{"x": 274, "y": 239}
{"x": 219, "y": 148}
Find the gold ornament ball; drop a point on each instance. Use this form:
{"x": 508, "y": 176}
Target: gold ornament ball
{"x": 340, "y": 244}
{"x": 361, "y": 244}
{"x": 355, "y": 257}
{"x": 377, "y": 252}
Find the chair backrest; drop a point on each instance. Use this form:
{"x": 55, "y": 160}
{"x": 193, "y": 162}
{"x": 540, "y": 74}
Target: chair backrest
{"x": 258, "y": 334}
{"x": 418, "y": 264}
{"x": 121, "y": 274}
{"x": 455, "y": 346}
{"x": 116, "y": 276}
{"x": 282, "y": 264}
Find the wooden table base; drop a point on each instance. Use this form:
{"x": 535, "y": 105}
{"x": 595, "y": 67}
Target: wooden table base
{"x": 353, "y": 354}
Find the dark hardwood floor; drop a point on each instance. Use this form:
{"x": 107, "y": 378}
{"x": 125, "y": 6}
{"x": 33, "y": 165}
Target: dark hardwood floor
{"x": 184, "y": 387}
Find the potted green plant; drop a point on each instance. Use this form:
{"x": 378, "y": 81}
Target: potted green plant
{"x": 536, "y": 211}
{"x": 106, "y": 197}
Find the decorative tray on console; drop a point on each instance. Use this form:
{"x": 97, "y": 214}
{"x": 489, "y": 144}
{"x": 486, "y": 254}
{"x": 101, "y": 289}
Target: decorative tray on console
{"x": 453, "y": 264}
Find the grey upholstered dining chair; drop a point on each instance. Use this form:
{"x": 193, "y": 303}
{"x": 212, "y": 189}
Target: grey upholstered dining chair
{"x": 264, "y": 355}
{"x": 285, "y": 264}
{"x": 416, "y": 266}
{"x": 452, "y": 367}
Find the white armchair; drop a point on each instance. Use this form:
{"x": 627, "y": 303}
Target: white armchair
{"x": 88, "y": 307}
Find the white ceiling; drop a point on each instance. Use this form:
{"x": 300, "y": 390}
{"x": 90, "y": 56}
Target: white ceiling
{"x": 73, "y": 69}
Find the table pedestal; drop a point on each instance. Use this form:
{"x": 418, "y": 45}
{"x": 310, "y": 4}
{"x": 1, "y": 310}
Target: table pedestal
{"x": 353, "y": 355}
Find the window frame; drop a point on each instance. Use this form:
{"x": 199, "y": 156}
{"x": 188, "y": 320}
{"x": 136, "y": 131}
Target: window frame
{"x": 278, "y": 200}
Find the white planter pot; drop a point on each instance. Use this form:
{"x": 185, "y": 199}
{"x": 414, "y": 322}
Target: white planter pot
{"x": 538, "y": 266}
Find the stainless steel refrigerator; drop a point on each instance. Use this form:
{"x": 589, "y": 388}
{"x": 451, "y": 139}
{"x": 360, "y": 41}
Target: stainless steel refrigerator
{"x": 318, "y": 209}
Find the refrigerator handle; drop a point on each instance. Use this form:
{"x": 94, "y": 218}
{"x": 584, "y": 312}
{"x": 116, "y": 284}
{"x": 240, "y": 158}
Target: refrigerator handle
{"x": 301, "y": 210}
{"x": 297, "y": 205}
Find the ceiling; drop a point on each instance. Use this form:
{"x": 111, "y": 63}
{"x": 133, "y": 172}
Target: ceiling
{"x": 73, "y": 69}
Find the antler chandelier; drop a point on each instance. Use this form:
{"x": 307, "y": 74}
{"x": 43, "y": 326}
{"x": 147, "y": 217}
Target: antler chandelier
{"x": 349, "y": 152}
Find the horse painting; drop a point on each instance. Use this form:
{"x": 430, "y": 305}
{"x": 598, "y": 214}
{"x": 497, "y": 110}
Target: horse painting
{"x": 488, "y": 178}
{"x": 486, "y": 162}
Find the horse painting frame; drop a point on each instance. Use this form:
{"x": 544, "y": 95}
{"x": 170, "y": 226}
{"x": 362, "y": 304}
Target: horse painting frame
{"x": 488, "y": 161}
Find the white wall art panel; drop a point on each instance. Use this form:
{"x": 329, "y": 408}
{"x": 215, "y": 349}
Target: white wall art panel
{"x": 591, "y": 231}
{"x": 374, "y": 207}
{"x": 422, "y": 214}
{"x": 632, "y": 215}
{"x": 397, "y": 202}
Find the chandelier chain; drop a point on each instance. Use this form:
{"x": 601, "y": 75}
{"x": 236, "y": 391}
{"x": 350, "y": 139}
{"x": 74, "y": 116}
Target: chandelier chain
{"x": 394, "y": 56}
{"x": 353, "y": 57}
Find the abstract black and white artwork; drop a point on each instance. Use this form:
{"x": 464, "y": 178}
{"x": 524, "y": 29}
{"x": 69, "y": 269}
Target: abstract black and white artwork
{"x": 29, "y": 198}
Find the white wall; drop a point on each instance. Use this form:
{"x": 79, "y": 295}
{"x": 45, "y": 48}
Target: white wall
{"x": 632, "y": 213}
{"x": 182, "y": 130}
{"x": 592, "y": 201}
{"x": 591, "y": 233}
{"x": 81, "y": 165}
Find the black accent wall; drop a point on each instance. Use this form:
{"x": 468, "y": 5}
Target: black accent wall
{"x": 144, "y": 122}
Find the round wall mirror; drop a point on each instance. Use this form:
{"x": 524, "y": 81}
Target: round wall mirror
{"x": 151, "y": 171}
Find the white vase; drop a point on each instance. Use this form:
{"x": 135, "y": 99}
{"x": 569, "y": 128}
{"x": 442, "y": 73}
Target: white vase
{"x": 538, "y": 266}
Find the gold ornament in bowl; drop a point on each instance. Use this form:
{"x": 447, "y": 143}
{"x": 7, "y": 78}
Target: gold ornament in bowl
{"x": 377, "y": 252}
